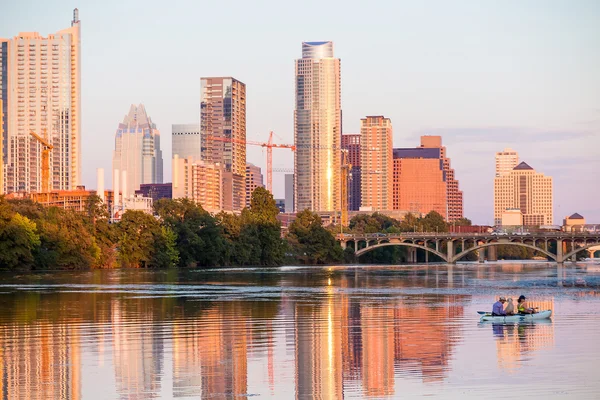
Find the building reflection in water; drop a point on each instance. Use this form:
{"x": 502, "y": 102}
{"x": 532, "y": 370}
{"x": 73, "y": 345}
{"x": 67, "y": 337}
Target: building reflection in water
{"x": 513, "y": 341}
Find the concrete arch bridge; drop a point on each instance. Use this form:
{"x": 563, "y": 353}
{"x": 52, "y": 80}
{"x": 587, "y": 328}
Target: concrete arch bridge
{"x": 451, "y": 247}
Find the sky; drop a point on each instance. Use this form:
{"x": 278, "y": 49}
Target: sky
{"x": 483, "y": 75}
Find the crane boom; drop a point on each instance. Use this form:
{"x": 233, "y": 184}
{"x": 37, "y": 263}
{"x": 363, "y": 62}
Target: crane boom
{"x": 46, "y": 147}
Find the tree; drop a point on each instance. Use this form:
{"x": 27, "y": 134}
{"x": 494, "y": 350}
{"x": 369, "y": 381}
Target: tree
{"x": 311, "y": 242}
{"x": 462, "y": 222}
{"x": 372, "y": 223}
{"x": 433, "y": 222}
{"x": 139, "y": 239}
{"x": 18, "y": 239}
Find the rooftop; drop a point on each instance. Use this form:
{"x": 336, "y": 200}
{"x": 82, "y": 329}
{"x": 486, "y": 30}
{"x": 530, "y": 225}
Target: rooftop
{"x": 576, "y": 216}
{"x": 522, "y": 166}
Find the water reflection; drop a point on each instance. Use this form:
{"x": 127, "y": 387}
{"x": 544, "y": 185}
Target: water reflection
{"x": 327, "y": 333}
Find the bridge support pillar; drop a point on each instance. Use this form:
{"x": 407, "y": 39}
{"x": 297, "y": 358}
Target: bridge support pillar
{"x": 492, "y": 253}
{"x": 481, "y": 255}
{"x": 343, "y": 243}
{"x": 412, "y": 255}
{"x": 559, "y": 251}
{"x": 355, "y": 246}
{"x": 450, "y": 253}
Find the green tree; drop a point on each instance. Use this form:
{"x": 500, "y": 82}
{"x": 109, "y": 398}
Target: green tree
{"x": 139, "y": 238}
{"x": 462, "y": 222}
{"x": 433, "y": 222}
{"x": 312, "y": 243}
{"x": 374, "y": 223}
{"x": 18, "y": 239}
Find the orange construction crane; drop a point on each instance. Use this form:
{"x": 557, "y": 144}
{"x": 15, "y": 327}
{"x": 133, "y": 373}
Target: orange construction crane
{"x": 46, "y": 147}
{"x": 269, "y": 145}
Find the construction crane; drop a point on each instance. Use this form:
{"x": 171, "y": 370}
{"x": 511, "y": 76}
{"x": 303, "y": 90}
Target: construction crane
{"x": 269, "y": 145}
{"x": 46, "y": 147}
{"x": 345, "y": 174}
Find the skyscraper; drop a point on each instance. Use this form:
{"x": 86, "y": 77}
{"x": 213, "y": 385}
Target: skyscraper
{"x": 455, "y": 196}
{"x": 527, "y": 190}
{"x": 377, "y": 164}
{"x": 505, "y": 161}
{"x": 223, "y": 129}
{"x": 41, "y": 93}
{"x": 351, "y": 143}
{"x": 254, "y": 179}
{"x": 186, "y": 141}
{"x": 200, "y": 181}
{"x": 1, "y": 147}
{"x": 137, "y": 150}
{"x": 317, "y": 128}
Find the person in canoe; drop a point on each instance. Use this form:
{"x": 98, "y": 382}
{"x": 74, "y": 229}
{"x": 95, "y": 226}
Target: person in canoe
{"x": 498, "y": 308}
{"x": 510, "y": 308}
{"x": 522, "y": 306}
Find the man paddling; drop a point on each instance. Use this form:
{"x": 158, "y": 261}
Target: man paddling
{"x": 498, "y": 308}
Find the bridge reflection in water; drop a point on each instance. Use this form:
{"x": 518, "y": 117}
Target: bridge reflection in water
{"x": 446, "y": 245}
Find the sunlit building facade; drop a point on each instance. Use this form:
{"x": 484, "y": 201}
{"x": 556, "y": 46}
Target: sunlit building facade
{"x": 525, "y": 189}
{"x": 317, "y": 128}
{"x": 223, "y": 130}
{"x": 377, "y": 164}
{"x": 199, "y": 181}
{"x": 40, "y": 88}
{"x": 186, "y": 141}
{"x": 137, "y": 151}
{"x": 254, "y": 179}
{"x": 506, "y": 160}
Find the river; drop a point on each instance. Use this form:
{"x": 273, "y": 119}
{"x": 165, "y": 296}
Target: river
{"x": 299, "y": 332}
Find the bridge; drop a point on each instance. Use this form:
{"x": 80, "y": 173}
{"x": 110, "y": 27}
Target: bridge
{"x": 451, "y": 247}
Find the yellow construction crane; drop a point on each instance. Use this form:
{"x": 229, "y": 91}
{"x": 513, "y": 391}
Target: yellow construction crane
{"x": 346, "y": 167}
{"x": 46, "y": 147}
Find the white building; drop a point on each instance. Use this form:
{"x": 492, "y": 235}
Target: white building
{"x": 186, "y": 141}
{"x": 40, "y": 88}
{"x": 137, "y": 149}
{"x": 254, "y": 179}
{"x": 317, "y": 128}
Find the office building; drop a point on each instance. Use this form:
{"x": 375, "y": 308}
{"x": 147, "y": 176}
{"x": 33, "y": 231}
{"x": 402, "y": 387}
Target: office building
{"x": 40, "y": 89}
{"x": 419, "y": 184}
{"x": 186, "y": 141}
{"x": 137, "y": 151}
{"x": 289, "y": 193}
{"x": 351, "y": 144}
{"x": 505, "y": 161}
{"x": 156, "y": 191}
{"x": 527, "y": 190}
{"x": 1, "y": 147}
{"x": 454, "y": 194}
{"x": 254, "y": 179}
{"x": 317, "y": 128}
{"x": 223, "y": 129}
{"x": 199, "y": 181}
{"x": 376, "y": 160}
{"x": 280, "y": 204}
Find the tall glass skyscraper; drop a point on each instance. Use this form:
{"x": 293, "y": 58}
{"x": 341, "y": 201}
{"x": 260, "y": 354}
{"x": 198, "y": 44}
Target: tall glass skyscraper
{"x": 137, "y": 150}
{"x": 40, "y": 87}
{"x": 317, "y": 129}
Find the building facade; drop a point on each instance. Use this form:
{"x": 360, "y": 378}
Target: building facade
{"x": 351, "y": 144}
{"x": 1, "y": 147}
{"x": 527, "y": 190}
{"x": 419, "y": 181}
{"x": 40, "y": 89}
{"x": 377, "y": 164}
{"x": 199, "y": 181}
{"x": 223, "y": 133}
{"x": 506, "y": 160}
{"x": 289, "y": 193}
{"x": 137, "y": 151}
{"x": 156, "y": 191}
{"x": 317, "y": 128}
{"x": 254, "y": 179}
{"x": 186, "y": 141}
{"x": 454, "y": 194}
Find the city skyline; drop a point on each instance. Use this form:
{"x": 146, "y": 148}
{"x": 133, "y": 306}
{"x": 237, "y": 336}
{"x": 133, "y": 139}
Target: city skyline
{"x": 496, "y": 102}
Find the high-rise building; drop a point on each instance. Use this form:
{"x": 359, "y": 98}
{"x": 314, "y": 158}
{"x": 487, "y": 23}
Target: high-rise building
{"x": 1, "y": 147}
{"x": 199, "y": 181}
{"x": 377, "y": 164}
{"x": 254, "y": 179}
{"x": 137, "y": 150}
{"x": 419, "y": 181}
{"x": 527, "y": 190}
{"x": 223, "y": 129}
{"x": 317, "y": 129}
{"x": 40, "y": 88}
{"x": 505, "y": 161}
{"x": 351, "y": 144}
{"x": 156, "y": 191}
{"x": 186, "y": 141}
{"x": 289, "y": 193}
{"x": 455, "y": 196}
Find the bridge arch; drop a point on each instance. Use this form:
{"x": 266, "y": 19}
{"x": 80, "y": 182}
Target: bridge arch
{"x": 578, "y": 249}
{"x": 489, "y": 244}
{"x": 417, "y": 246}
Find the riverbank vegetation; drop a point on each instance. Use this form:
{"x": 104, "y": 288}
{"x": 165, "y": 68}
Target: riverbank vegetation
{"x": 183, "y": 234}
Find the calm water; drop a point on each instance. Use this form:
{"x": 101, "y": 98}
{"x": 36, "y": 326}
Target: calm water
{"x": 297, "y": 332}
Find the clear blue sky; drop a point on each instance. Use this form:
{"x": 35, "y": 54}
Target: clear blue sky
{"x": 484, "y": 75}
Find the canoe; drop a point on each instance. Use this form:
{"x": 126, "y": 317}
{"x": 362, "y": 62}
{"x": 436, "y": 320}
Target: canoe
{"x": 517, "y": 318}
